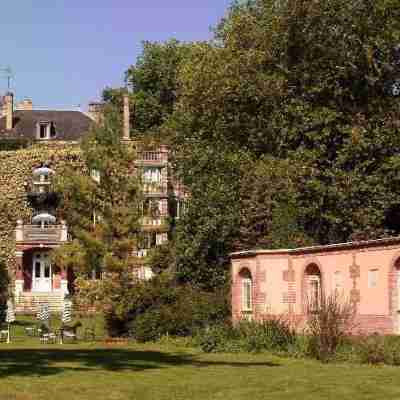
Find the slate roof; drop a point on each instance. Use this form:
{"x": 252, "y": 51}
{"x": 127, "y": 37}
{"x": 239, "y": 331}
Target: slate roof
{"x": 70, "y": 125}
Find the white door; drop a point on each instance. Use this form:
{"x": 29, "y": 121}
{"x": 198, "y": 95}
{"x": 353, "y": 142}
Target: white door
{"x": 41, "y": 274}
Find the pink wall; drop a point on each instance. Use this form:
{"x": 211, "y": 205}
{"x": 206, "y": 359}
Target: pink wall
{"x": 280, "y": 286}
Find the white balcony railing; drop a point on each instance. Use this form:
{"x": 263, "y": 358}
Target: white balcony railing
{"x": 152, "y": 157}
{"x": 156, "y": 188}
{"x": 37, "y": 233}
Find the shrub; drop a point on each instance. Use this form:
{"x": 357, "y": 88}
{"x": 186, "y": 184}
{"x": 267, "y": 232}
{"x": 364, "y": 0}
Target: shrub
{"x": 170, "y": 309}
{"x": 146, "y": 327}
{"x": 269, "y": 335}
{"x": 273, "y": 334}
{"x": 216, "y": 338}
{"x": 372, "y": 349}
{"x": 328, "y": 326}
{"x": 378, "y": 349}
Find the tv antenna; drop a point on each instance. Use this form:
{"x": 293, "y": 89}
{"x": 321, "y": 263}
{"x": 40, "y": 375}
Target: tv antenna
{"x": 8, "y": 74}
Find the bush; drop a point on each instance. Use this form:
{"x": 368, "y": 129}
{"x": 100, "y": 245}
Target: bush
{"x": 273, "y": 334}
{"x": 221, "y": 337}
{"x": 170, "y": 309}
{"x": 270, "y": 335}
{"x": 328, "y": 326}
{"x": 378, "y": 349}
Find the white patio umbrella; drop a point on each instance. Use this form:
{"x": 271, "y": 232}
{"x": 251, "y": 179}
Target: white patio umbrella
{"x": 67, "y": 311}
{"x": 10, "y": 317}
{"x": 44, "y": 217}
{"x": 66, "y": 316}
{"x": 43, "y": 171}
{"x": 43, "y": 313}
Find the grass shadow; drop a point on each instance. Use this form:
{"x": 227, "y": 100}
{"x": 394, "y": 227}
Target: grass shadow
{"x": 39, "y": 362}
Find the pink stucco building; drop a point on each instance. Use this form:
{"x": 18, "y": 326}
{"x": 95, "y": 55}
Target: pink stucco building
{"x": 281, "y": 282}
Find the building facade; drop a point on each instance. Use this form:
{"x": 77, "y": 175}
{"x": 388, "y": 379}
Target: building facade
{"x": 366, "y": 274}
{"x": 35, "y": 279}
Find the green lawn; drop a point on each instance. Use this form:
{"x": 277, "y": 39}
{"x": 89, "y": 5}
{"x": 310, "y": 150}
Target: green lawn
{"x": 83, "y": 371}
{"x": 29, "y": 370}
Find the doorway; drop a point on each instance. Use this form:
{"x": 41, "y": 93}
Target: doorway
{"x": 41, "y": 273}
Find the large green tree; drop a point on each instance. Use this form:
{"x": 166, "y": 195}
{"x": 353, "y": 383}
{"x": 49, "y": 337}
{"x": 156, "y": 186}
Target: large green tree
{"x": 304, "y": 82}
{"x": 101, "y": 204}
{"x": 284, "y": 128}
{"x": 152, "y": 83}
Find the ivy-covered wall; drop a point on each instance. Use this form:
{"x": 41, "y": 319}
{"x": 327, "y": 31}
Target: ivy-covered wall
{"x": 15, "y": 170}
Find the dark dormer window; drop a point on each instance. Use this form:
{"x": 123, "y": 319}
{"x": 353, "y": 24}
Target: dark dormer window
{"x": 46, "y": 130}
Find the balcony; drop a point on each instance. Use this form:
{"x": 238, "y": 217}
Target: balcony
{"x": 152, "y": 158}
{"x": 36, "y": 233}
{"x": 156, "y": 189}
{"x": 154, "y": 223}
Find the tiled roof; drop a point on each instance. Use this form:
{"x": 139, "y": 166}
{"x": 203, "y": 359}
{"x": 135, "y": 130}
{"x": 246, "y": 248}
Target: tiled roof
{"x": 70, "y": 125}
{"x": 390, "y": 241}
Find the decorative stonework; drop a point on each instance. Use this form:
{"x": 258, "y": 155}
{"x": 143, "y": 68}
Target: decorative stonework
{"x": 354, "y": 270}
{"x": 291, "y": 279}
{"x": 355, "y": 296}
{"x": 289, "y": 297}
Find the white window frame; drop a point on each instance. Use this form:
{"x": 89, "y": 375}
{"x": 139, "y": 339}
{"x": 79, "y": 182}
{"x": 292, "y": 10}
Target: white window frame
{"x": 247, "y": 295}
{"x": 373, "y": 278}
{"x": 314, "y": 292}
{"x": 338, "y": 281}
{"x": 152, "y": 175}
{"x": 47, "y": 125}
{"x": 95, "y": 175}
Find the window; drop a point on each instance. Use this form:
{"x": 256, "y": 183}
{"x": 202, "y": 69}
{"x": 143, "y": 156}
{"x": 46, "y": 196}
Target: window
{"x": 180, "y": 208}
{"x": 46, "y": 130}
{"x": 161, "y": 238}
{"x": 246, "y": 291}
{"x": 315, "y": 293}
{"x": 151, "y": 208}
{"x": 43, "y": 131}
{"x": 338, "y": 281}
{"x": 95, "y": 175}
{"x": 373, "y": 278}
{"x": 152, "y": 175}
{"x": 247, "y": 295}
{"x": 96, "y": 274}
{"x": 37, "y": 269}
{"x": 312, "y": 287}
{"x": 147, "y": 240}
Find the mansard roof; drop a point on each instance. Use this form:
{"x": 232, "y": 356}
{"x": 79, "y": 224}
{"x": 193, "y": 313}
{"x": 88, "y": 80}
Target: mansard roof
{"x": 70, "y": 125}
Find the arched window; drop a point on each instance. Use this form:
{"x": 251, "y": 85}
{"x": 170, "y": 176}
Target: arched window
{"x": 313, "y": 287}
{"x": 246, "y": 291}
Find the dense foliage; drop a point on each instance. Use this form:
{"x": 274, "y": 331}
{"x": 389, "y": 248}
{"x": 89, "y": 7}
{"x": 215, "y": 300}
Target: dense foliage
{"x": 147, "y": 310}
{"x": 153, "y": 85}
{"x": 284, "y": 127}
{"x": 101, "y": 206}
{"x": 294, "y": 90}
{"x": 15, "y": 173}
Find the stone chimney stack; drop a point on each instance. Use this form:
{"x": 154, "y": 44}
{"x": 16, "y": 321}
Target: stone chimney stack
{"x": 9, "y": 109}
{"x": 95, "y": 111}
{"x": 24, "y": 105}
{"x": 127, "y": 127}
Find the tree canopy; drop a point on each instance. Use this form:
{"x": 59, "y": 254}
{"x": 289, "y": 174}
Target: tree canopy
{"x": 284, "y": 127}
{"x": 101, "y": 204}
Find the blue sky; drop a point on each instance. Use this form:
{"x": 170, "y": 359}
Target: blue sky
{"x": 64, "y": 52}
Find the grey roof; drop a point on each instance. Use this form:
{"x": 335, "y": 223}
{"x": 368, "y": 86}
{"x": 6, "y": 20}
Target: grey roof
{"x": 70, "y": 125}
